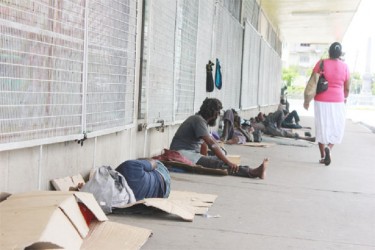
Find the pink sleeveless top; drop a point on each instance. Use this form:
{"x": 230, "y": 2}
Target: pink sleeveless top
{"x": 337, "y": 73}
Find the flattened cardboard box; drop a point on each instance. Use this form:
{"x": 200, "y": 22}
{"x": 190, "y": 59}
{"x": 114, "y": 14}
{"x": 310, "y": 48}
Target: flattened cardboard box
{"x": 51, "y": 219}
{"x": 182, "y": 204}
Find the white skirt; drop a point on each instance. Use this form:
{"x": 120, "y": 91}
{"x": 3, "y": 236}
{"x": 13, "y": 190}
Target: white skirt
{"x": 329, "y": 122}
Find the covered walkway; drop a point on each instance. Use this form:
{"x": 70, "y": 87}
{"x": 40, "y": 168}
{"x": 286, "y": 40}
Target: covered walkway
{"x": 300, "y": 205}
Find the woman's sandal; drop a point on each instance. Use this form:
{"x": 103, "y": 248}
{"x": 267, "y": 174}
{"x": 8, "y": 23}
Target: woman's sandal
{"x": 327, "y": 158}
{"x": 321, "y": 161}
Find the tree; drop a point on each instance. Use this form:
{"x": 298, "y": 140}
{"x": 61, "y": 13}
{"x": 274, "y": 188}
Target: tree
{"x": 356, "y": 83}
{"x": 289, "y": 75}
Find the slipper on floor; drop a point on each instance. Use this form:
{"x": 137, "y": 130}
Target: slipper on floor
{"x": 327, "y": 157}
{"x": 321, "y": 161}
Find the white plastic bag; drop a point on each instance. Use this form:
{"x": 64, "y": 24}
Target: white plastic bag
{"x": 109, "y": 188}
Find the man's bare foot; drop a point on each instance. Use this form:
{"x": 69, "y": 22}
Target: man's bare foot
{"x": 259, "y": 172}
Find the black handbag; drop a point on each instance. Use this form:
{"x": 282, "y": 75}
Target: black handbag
{"x": 322, "y": 84}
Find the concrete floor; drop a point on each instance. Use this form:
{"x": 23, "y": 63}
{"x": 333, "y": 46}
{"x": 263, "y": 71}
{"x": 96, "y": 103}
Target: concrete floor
{"x": 300, "y": 205}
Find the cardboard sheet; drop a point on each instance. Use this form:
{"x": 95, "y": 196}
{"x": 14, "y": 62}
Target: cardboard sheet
{"x": 52, "y": 219}
{"x": 234, "y": 158}
{"x": 24, "y": 227}
{"x": 4, "y": 196}
{"x": 288, "y": 141}
{"x": 200, "y": 202}
{"x": 67, "y": 183}
{"x": 180, "y": 203}
{"x": 117, "y": 236}
{"x": 259, "y": 144}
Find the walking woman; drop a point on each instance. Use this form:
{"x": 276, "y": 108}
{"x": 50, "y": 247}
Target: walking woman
{"x": 329, "y": 106}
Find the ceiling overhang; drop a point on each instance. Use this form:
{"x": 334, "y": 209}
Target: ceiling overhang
{"x": 307, "y": 21}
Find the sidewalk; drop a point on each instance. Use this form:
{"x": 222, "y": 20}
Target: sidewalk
{"x": 364, "y": 115}
{"x": 300, "y": 205}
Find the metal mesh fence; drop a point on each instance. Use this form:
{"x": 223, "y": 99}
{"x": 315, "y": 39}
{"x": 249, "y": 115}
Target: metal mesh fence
{"x": 270, "y": 75}
{"x": 204, "y": 49}
{"x": 185, "y": 57}
{"x": 250, "y": 12}
{"x": 68, "y": 67}
{"x": 111, "y": 64}
{"x": 54, "y": 54}
{"x": 250, "y": 70}
{"x": 228, "y": 49}
{"x": 157, "y": 88}
{"x": 41, "y": 69}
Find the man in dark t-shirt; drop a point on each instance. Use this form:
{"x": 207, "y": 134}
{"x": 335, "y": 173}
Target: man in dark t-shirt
{"x": 193, "y": 134}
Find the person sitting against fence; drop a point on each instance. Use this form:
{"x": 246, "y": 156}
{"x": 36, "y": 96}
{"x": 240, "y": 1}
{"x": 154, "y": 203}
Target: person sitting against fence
{"x": 271, "y": 125}
{"x": 194, "y": 133}
{"x": 289, "y": 119}
{"x": 148, "y": 178}
{"x": 233, "y": 133}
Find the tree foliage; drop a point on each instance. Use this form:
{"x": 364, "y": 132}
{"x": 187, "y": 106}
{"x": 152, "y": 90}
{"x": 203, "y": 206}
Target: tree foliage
{"x": 289, "y": 75}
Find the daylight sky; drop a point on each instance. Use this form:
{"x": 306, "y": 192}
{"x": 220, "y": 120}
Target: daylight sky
{"x": 356, "y": 39}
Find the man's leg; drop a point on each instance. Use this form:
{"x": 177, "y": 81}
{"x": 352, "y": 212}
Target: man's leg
{"x": 288, "y": 121}
{"x": 244, "y": 171}
{"x": 288, "y": 118}
{"x": 278, "y": 117}
{"x": 295, "y": 116}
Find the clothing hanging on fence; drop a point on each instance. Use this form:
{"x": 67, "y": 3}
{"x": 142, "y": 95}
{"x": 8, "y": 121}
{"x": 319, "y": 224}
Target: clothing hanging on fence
{"x": 218, "y": 80}
{"x": 209, "y": 78}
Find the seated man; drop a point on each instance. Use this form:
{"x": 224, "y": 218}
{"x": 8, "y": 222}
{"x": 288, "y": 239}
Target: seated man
{"x": 147, "y": 178}
{"x": 290, "y": 119}
{"x": 193, "y": 132}
{"x": 233, "y": 132}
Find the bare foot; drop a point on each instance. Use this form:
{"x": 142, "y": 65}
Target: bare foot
{"x": 259, "y": 172}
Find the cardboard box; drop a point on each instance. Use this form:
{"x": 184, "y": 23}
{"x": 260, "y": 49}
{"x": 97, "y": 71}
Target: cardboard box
{"x": 52, "y": 219}
{"x": 69, "y": 183}
{"x": 182, "y": 204}
{"x": 235, "y": 159}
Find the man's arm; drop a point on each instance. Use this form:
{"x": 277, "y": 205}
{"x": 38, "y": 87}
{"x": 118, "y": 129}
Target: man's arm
{"x": 346, "y": 88}
{"x": 204, "y": 149}
{"x": 219, "y": 153}
{"x": 147, "y": 167}
{"x": 225, "y": 134}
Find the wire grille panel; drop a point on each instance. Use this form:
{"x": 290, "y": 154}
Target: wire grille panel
{"x": 250, "y": 71}
{"x": 270, "y": 75}
{"x": 157, "y": 98}
{"x": 250, "y": 12}
{"x": 228, "y": 49}
{"x": 111, "y": 64}
{"x": 62, "y": 75}
{"x": 204, "y": 49}
{"x": 41, "y": 69}
{"x": 185, "y": 58}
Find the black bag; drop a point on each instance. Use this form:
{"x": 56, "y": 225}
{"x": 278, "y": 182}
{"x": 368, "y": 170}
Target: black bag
{"x": 322, "y": 84}
{"x": 209, "y": 78}
{"x": 257, "y": 135}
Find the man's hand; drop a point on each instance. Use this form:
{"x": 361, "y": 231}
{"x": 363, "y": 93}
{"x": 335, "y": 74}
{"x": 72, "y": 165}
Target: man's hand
{"x": 233, "y": 168}
{"x": 306, "y": 105}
